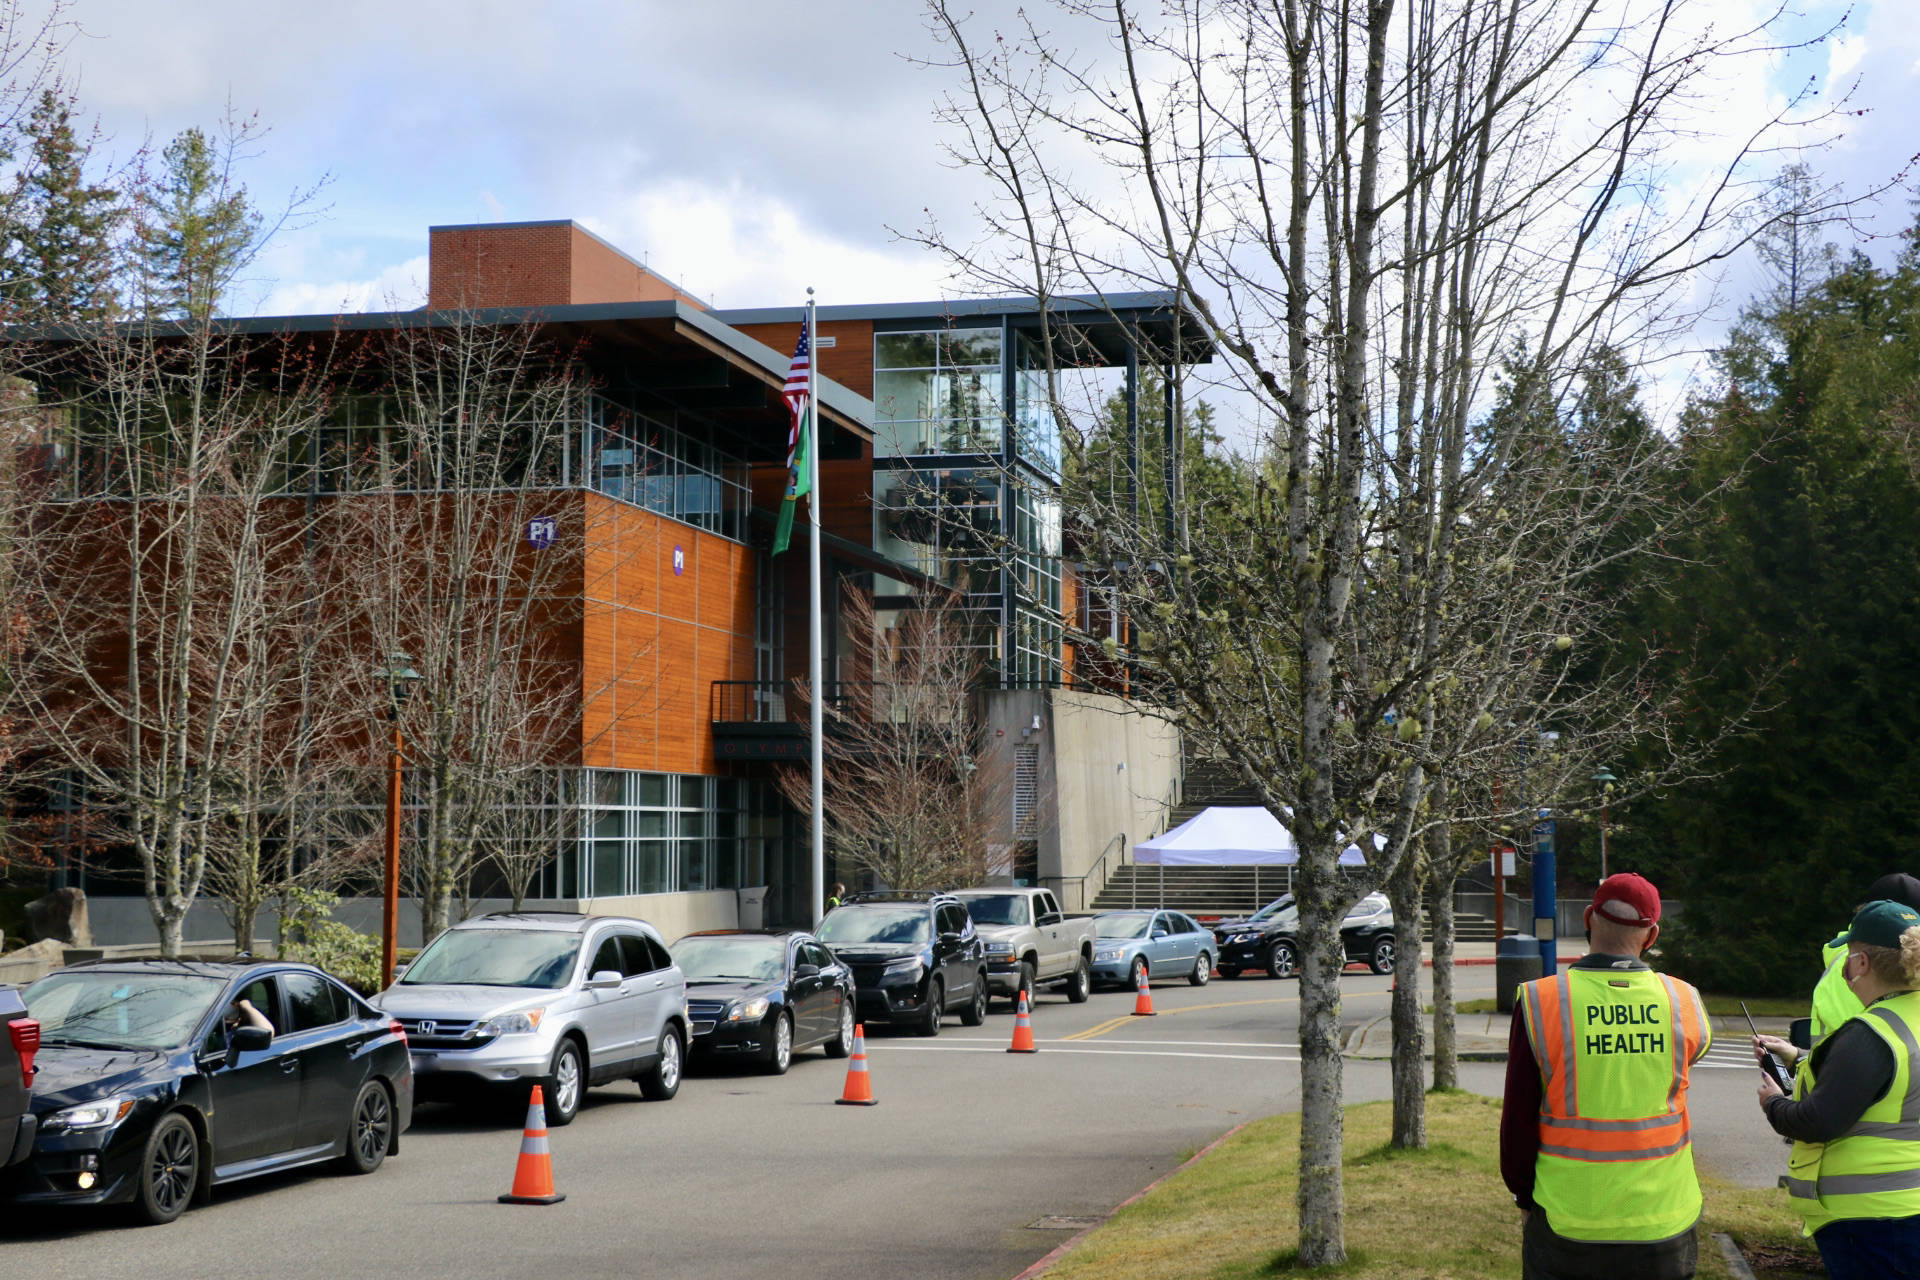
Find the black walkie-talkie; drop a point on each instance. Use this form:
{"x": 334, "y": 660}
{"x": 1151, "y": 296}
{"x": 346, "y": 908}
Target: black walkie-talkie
{"x": 1769, "y": 1064}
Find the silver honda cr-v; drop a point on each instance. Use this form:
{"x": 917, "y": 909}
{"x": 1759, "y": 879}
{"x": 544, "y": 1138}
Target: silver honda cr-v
{"x": 550, "y": 998}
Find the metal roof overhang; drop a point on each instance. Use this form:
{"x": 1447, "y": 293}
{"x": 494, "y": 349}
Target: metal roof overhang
{"x": 666, "y": 354}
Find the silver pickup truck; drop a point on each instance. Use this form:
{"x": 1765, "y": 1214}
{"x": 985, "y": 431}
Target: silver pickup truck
{"x": 1031, "y": 942}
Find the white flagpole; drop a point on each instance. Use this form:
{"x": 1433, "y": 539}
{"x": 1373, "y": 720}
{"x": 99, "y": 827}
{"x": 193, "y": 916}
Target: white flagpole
{"x": 815, "y": 661}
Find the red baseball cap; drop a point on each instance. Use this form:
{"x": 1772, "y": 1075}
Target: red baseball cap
{"x": 1626, "y": 899}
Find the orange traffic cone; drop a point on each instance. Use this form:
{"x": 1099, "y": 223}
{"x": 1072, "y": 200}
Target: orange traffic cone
{"x": 859, "y": 1090}
{"x": 533, "y": 1176}
{"x": 1143, "y": 999}
{"x": 1023, "y": 1029}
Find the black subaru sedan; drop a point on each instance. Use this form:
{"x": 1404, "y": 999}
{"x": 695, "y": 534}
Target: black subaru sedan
{"x": 159, "y": 1080}
{"x": 760, "y": 994}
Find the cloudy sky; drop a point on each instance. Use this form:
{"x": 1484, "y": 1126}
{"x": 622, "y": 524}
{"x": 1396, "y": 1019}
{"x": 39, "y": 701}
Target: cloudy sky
{"x": 743, "y": 148}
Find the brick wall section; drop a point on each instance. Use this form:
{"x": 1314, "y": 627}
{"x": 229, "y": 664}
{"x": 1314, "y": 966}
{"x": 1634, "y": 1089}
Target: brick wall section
{"x": 535, "y": 264}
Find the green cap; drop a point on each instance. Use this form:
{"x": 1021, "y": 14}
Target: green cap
{"x": 1880, "y": 924}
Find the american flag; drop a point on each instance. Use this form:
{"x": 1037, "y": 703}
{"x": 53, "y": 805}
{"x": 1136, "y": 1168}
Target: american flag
{"x": 799, "y": 386}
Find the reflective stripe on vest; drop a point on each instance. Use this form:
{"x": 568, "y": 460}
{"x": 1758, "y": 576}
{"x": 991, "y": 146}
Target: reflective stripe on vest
{"x": 1615, "y": 1049}
{"x": 1833, "y": 1000}
{"x": 1873, "y": 1169}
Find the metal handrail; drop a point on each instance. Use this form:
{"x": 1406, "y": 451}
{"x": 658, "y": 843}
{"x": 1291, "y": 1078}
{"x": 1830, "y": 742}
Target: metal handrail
{"x": 1120, "y": 838}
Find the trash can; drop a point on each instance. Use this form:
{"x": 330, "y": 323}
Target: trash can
{"x": 753, "y": 906}
{"x": 1516, "y": 959}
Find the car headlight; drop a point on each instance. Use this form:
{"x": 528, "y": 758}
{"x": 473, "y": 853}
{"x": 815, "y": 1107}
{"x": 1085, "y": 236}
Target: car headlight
{"x": 1109, "y": 953}
{"x": 513, "y": 1024}
{"x": 747, "y": 1010}
{"x": 90, "y": 1115}
{"x": 999, "y": 948}
{"x": 1243, "y": 937}
{"x": 906, "y": 964}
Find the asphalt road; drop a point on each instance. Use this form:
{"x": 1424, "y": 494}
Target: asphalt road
{"x": 952, "y": 1177}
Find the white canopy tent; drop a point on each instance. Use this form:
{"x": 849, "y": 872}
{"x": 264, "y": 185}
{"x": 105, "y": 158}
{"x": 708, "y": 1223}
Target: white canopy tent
{"x": 1222, "y": 836}
{"x": 1231, "y": 836}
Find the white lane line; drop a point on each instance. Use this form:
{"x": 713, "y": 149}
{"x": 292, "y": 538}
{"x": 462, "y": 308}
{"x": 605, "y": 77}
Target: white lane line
{"x": 1119, "y": 1053}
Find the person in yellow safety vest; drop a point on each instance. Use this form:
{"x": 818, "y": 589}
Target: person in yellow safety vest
{"x": 1595, "y": 1140}
{"x": 1833, "y": 1001}
{"x": 1854, "y": 1117}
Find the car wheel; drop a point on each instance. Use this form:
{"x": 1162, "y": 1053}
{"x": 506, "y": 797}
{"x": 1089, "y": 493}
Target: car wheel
{"x": 1227, "y": 971}
{"x": 565, "y": 1083}
{"x": 936, "y": 1007}
{"x": 1136, "y": 973}
{"x": 779, "y": 1046}
{"x": 1202, "y": 970}
{"x": 1282, "y": 960}
{"x": 976, "y": 1011}
{"x": 1080, "y": 985}
{"x": 661, "y": 1081}
{"x": 1026, "y": 985}
{"x": 841, "y": 1046}
{"x": 169, "y": 1171}
{"x": 1380, "y": 958}
{"x": 369, "y": 1129}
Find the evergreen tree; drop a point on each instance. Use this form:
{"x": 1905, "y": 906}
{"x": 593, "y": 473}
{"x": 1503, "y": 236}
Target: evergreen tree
{"x": 1806, "y": 593}
{"x": 198, "y": 230}
{"x": 59, "y": 258}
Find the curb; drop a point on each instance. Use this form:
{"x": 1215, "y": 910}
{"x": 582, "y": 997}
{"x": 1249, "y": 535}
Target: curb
{"x": 1736, "y": 1261}
{"x": 1358, "y": 1036}
{"x": 1427, "y": 961}
{"x": 1054, "y": 1254}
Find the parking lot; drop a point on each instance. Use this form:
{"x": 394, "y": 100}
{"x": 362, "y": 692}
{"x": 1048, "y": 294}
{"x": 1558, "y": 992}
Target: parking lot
{"x": 956, "y": 1173}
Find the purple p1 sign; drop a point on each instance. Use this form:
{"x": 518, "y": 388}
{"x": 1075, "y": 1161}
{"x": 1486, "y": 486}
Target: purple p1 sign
{"x": 541, "y": 531}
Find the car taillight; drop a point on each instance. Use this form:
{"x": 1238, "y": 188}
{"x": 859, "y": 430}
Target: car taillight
{"x": 25, "y": 1034}
{"x": 393, "y": 1025}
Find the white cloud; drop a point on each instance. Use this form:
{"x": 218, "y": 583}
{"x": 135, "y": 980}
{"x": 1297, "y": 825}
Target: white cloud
{"x": 1843, "y": 55}
{"x": 400, "y": 287}
{"x": 740, "y": 247}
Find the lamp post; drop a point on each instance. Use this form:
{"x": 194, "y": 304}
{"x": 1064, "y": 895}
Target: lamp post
{"x": 1546, "y": 912}
{"x": 400, "y": 677}
{"x": 1606, "y": 781}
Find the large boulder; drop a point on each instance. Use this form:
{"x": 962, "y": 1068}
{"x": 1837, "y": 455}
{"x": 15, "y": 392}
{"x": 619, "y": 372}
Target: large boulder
{"x": 61, "y": 915}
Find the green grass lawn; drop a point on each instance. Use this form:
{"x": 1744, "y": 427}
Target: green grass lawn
{"x": 1438, "y": 1214}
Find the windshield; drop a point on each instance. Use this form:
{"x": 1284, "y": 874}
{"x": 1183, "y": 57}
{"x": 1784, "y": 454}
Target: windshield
{"x": 1281, "y": 908}
{"x": 717, "y": 959}
{"x": 876, "y": 924}
{"x": 1000, "y": 908}
{"x": 496, "y": 958}
{"x": 107, "y": 1010}
{"x": 1122, "y": 924}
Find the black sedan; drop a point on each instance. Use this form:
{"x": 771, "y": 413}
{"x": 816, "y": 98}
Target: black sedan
{"x": 760, "y": 994}
{"x": 161, "y": 1079}
{"x": 1268, "y": 939}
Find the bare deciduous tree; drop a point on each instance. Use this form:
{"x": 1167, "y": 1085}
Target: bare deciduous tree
{"x": 913, "y": 796}
{"x": 1361, "y": 205}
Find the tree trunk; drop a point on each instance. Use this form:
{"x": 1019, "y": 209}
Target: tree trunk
{"x": 1322, "y": 1120}
{"x": 1409, "y": 1022}
{"x": 1446, "y": 1046}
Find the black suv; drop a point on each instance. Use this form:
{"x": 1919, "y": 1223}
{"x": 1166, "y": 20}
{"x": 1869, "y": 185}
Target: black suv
{"x": 914, "y": 956}
{"x": 1268, "y": 938}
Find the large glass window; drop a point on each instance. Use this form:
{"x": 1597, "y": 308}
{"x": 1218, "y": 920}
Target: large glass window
{"x": 639, "y": 459}
{"x": 666, "y": 833}
{"x": 937, "y": 392}
{"x": 1036, "y": 430}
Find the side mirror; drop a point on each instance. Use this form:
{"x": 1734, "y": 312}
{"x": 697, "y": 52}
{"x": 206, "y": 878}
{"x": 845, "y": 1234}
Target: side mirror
{"x": 1159, "y": 933}
{"x": 804, "y": 970}
{"x": 1050, "y": 917}
{"x": 952, "y": 937}
{"x": 398, "y": 970}
{"x": 247, "y": 1040}
{"x": 604, "y": 980}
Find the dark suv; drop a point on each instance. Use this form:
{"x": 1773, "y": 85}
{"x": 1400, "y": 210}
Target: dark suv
{"x": 914, "y": 957}
{"x": 1268, "y": 939}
